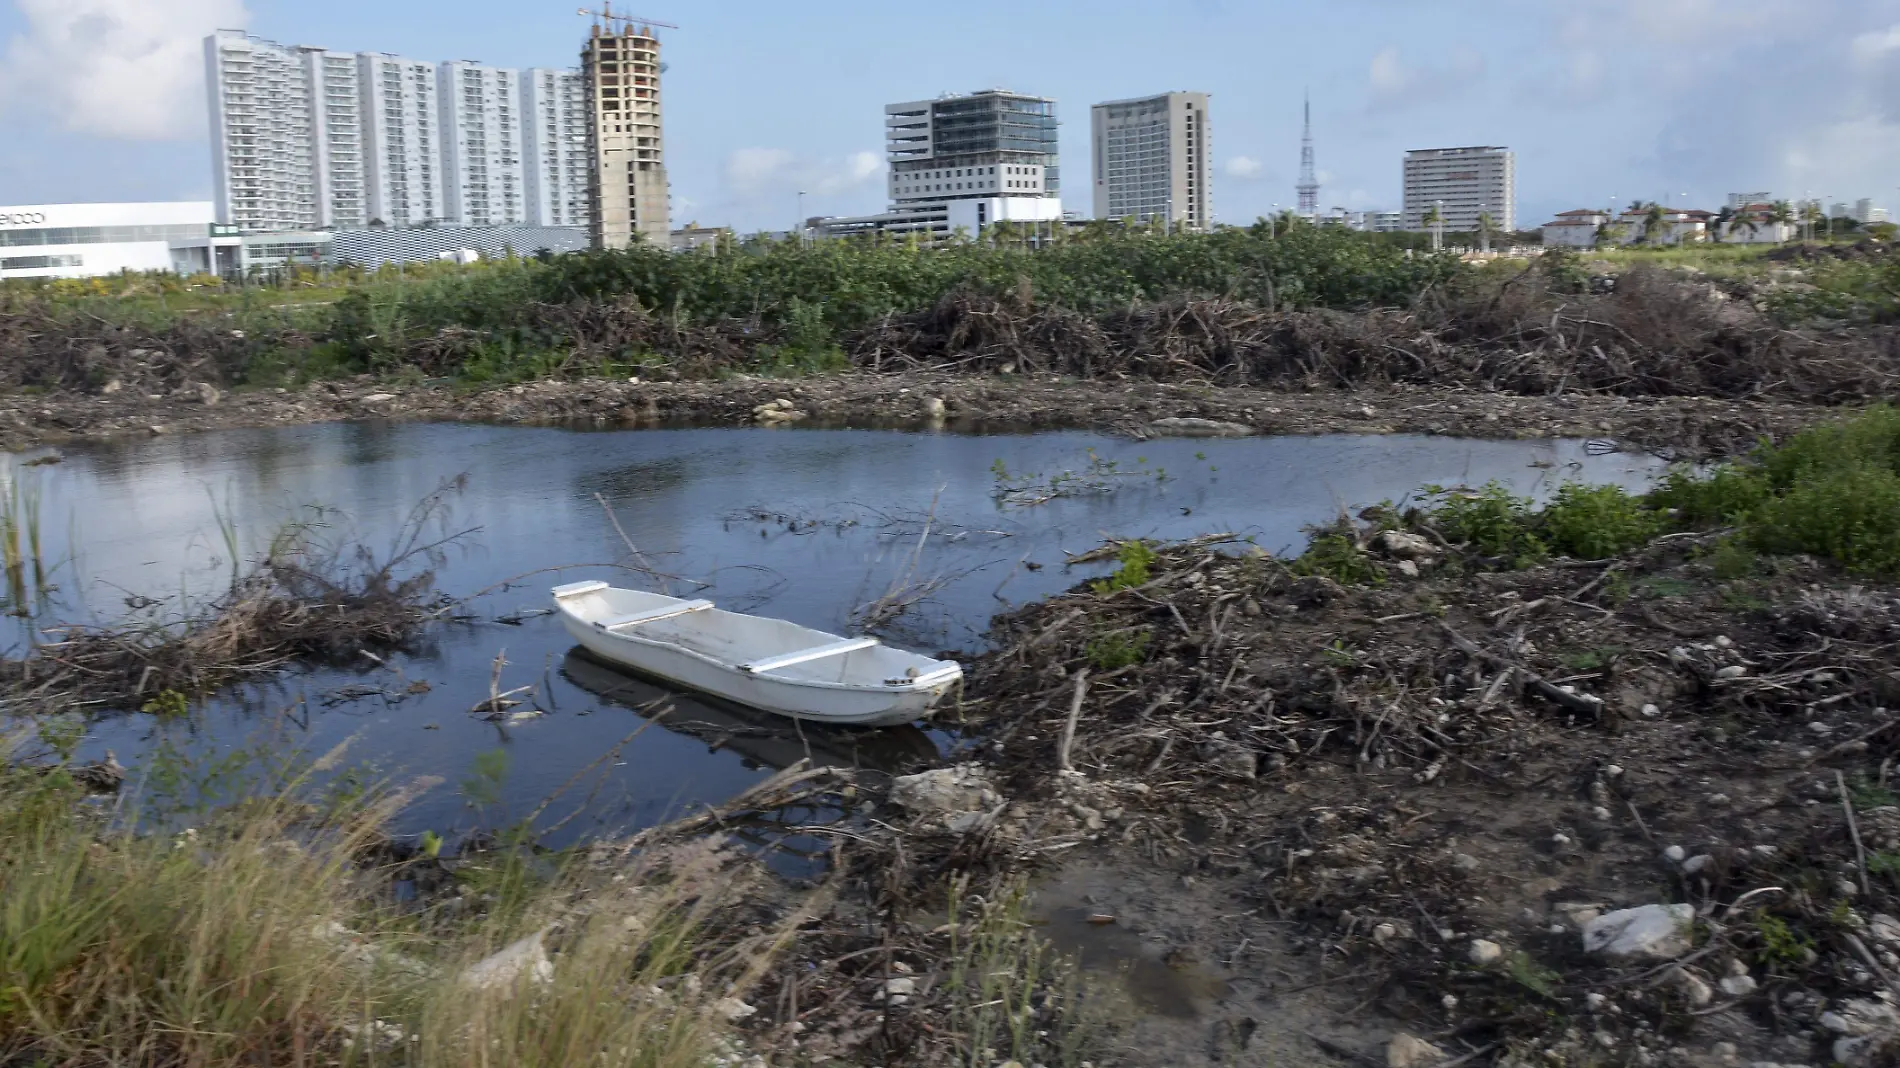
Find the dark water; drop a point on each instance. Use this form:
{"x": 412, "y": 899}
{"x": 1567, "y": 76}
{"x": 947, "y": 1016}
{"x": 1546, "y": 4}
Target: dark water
{"x": 802, "y": 524}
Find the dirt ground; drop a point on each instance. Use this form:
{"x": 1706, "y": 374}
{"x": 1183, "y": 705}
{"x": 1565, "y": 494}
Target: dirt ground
{"x": 1680, "y": 426}
{"x": 1303, "y": 811}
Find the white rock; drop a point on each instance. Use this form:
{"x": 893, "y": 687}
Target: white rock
{"x": 732, "y": 1010}
{"x": 900, "y": 984}
{"x": 1406, "y": 546}
{"x": 1408, "y": 568}
{"x": 1651, "y": 711}
{"x": 1884, "y": 928}
{"x": 1659, "y": 932}
{"x": 526, "y": 959}
{"x": 1484, "y": 951}
{"x": 1737, "y": 986}
{"x": 1697, "y": 863}
{"x": 1869, "y": 1029}
{"x": 1694, "y": 990}
{"x": 1410, "y": 1051}
{"x": 1733, "y": 671}
{"x": 379, "y": 398}
{"x": 1675, "y": 854}
{"x": 945, "y": 791}
{"x": 1188, "y": 427}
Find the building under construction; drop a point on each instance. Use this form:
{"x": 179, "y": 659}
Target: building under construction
{"x": 620, "y": 68}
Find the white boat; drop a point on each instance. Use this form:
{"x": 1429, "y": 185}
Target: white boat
{"x": 752, "y": 660}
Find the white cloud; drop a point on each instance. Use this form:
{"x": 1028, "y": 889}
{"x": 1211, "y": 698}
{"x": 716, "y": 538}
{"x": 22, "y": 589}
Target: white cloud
{"x": 753, "y": 170}
{"x": 1875, "y": 45}
{"x": 1244, "y": 168}
{"x": 121, "y": 68}
{"x": 1393, "y": 83}
{"x": 772, "y": 172}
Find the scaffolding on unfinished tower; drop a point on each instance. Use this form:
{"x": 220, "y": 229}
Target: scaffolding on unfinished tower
{"x": 1309, "y": 176}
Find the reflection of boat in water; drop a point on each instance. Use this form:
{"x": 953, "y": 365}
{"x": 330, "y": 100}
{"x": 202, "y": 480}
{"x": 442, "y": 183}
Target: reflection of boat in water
{"x": 761, "y": 737}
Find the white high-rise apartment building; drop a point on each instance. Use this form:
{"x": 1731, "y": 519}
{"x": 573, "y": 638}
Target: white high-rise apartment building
{"x": 338, "y": 156}
{"x": 305, "y": 138}
{"x": 1151, "y": 158}
{"x": 481, "y": 149}
{"x": 1462, "y": 183}
{"x": 405, "y": 140}
{"x": 1738, "y": 201}
{"x": 554, "y": 147}
{"x": 262, "y": 143}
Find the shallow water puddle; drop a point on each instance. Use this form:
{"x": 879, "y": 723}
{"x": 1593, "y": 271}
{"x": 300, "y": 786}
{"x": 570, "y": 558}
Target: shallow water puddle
{"x": 808, "y": 525}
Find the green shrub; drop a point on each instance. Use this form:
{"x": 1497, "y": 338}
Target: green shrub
{"x": 1851, "y": 516}
{"x": 1135, "y": 558}
{"x": 1723, "y": 496}
{"x": 1112, "y": 651}
{"x": 1334, "y": 553}
{"x": 1870, "y": 439}
{"x": 1597, "y": 522}
{"x": 1490, "y": 522}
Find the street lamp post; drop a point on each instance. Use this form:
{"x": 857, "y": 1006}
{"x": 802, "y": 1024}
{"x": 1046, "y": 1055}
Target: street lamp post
{"x": 803, "y": 230}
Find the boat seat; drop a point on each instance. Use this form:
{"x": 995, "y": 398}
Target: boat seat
{"x": 652, "y": 615}
{"x": 575, "y": 589}
{"x": 816, "y": 652}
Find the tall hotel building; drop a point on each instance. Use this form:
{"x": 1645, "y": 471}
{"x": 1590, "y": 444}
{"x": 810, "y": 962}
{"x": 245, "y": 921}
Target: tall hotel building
{"x": 1151, "y": 159}
{"x": 1462, "y": 183}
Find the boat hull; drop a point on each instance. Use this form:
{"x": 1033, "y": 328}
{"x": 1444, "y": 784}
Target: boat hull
{"x": 820, "y": 702}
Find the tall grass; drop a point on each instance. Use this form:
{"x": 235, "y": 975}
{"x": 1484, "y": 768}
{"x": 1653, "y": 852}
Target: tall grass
{"x": 21, "y": 550}
{"x": 268, "y": 934}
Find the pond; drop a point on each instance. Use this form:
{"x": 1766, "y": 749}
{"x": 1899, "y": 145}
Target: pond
{"x": 808, "y": 525}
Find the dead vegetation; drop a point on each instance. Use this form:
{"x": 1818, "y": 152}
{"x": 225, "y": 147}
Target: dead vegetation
{"x": 313, "y": 594}
{"x": 1655, "y": 334}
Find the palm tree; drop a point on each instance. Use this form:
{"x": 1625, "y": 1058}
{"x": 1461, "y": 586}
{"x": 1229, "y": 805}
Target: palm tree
{"x": 1811, "y": 214}
{"x": 1655, "y": 224}
{"x": 1780, "y": 214}
{"x": 1433, "y": 218}
{"x": 1486, "y": 224}
{"x": 1722, "y": 220}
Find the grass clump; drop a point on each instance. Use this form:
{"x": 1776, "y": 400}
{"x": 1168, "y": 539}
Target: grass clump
{"x": 1112, "y": 651}
{"x": 1010, "y": 999}
{"x": 268, "y": 934}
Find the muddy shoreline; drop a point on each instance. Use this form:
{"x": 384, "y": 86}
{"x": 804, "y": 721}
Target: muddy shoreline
{"x": 1689, "y": 427}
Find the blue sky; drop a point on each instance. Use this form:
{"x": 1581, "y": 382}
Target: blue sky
{"x": 103, "y": 99}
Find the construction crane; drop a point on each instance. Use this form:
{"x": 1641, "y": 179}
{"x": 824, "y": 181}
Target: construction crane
{"x": 606, "y": 14}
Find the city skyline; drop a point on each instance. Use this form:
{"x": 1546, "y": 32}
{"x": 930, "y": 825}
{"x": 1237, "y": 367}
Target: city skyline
{"x": 1591, "y": 124}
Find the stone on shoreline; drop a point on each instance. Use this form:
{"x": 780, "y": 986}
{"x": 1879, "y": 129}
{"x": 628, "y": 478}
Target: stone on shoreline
{"x": 1658, "y": 932}
{"x": 1189, "y": 427}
